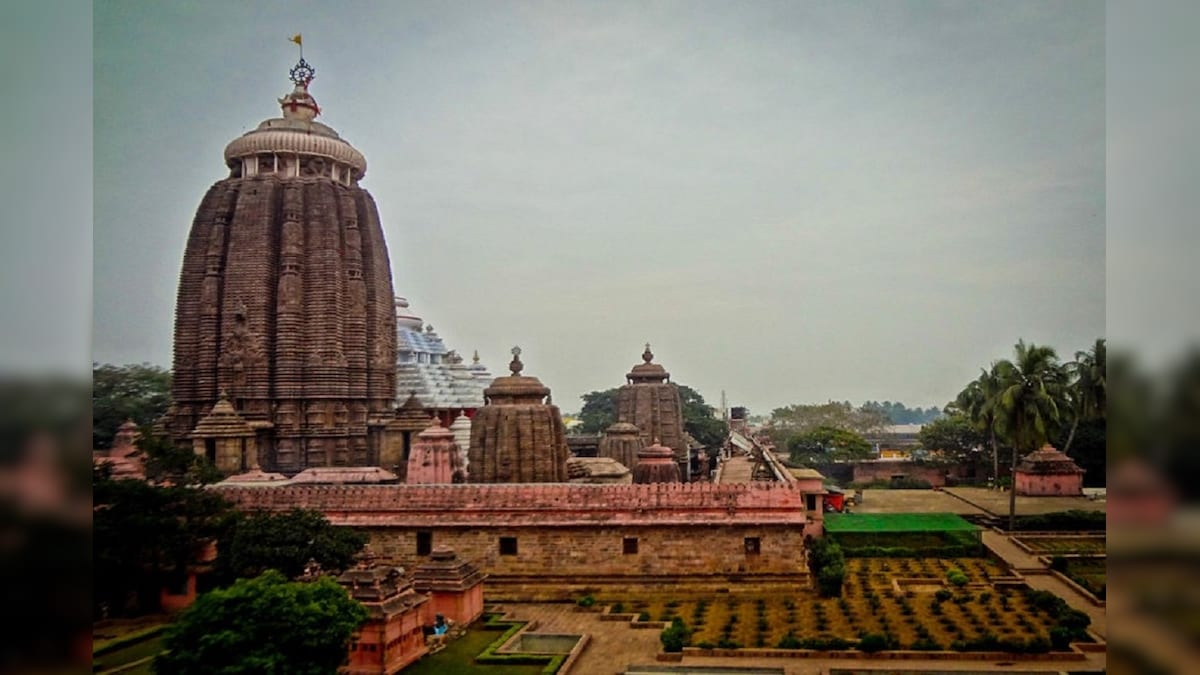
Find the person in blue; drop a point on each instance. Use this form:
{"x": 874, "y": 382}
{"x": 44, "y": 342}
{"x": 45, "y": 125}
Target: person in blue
{"x": 439, "y": 625}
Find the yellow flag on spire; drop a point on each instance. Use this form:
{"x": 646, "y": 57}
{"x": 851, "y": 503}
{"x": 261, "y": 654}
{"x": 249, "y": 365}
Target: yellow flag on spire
{"x": 297, "y": 39}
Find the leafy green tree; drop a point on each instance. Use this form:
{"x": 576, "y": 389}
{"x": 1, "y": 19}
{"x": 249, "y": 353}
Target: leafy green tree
{"x": 599, "y": 411}
{"x": 955, "y": 435}
{"x": 699, "y": 418}
{"x": 1088, "y": 393}
{"x": 827, "y": 443}
{"x": 980, "y": 402}
{"x": 263, "y": 625}
{"x": 285, "y": 542}
{"x": 146, "y": 536}
{"x": 1030, "y": 403}
{"x": 139, "y": 392}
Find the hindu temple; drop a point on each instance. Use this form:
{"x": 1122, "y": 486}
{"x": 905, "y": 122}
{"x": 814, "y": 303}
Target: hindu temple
{"x": 651, "y": 402}
{"x": 285, "y": 297}
{"x": 656, "y": 464}
{"x": 1048, "y": 473}
{"x": 518, "y": 436}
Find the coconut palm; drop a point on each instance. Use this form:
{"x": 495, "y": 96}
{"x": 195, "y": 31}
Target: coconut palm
{"x": 980, "y": 401}
{"x": 1089, "y": 389}
{"x": 1030, "y": 402}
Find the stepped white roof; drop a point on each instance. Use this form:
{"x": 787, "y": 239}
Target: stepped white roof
{"x": 435, "y": 373}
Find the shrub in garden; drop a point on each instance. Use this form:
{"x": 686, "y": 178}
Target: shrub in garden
{"x": 617, "y": 608}
{"x": 829, "y": 580}
{"x": 586, "y": 601}
{"x": 942, "y": 595}
{"x": 955, "y": 576}
{"x": 1059, "y": 564}
{"x": 675, "y": 636}
{"x": 926, "y": 645}
{"x": 788, "y": 641}
{"x": 873, "y": 642}
{"x": 726, "y": 643}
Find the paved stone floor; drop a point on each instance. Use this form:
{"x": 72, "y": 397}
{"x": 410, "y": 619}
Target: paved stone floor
{"x": 996, "y": 501}
{"x": 737, "y": 469}
{"x": 912, "y": 501}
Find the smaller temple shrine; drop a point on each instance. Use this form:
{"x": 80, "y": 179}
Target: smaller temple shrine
{"x": 434, "y": 458}
{"x": 656, "y": 464}
{"x": 519, "y": 436}
{"x": 621, "y": 442}
{"x": 392, "y": 636}
{"x": 649, "y": 401}
{"x": 1048, "y": 473}
{"x": 227, "y": 440}
{"x": 123, "y": 459}
{"x": 454, "y": 586}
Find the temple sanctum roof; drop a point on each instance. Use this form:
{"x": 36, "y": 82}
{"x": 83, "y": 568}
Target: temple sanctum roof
{"x": 429, "y": 370}
{"x": 1048, "y": 460}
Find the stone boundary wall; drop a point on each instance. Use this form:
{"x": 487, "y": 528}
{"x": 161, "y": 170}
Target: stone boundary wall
{"x": 526, "y": 562}
{"x": 545, "y": 505}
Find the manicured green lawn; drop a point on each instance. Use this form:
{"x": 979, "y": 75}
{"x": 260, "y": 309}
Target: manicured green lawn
{"x": 458, "y": 658}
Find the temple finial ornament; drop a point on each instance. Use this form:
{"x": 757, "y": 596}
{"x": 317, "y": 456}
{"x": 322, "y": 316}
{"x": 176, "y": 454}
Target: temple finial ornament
{"x": 516, "y": 366}
{"x": 647, "y": 355}
{"x": 475, "y": 359}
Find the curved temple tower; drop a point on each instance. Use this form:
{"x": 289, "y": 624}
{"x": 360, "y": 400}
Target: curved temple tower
{"x": 651, "y": 402}
{"x": 285, "y": 298}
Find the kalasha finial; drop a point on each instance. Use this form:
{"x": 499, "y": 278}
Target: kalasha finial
{"x": 516, "y": 366}
{"x": 647, "y": 355}
{"x": 475, "y": 359}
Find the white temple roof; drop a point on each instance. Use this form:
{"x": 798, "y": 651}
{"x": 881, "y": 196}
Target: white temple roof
{"x": 436, "y": 374}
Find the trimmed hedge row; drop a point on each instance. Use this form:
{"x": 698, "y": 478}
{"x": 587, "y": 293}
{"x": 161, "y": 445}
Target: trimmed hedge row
{"x": 1063, "y": 521}
{"x": 489, "y": 656}
{"x": 954, "y": 551}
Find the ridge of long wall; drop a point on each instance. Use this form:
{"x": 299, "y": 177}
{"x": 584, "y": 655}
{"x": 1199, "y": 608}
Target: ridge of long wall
{"x": 546, "y": 504}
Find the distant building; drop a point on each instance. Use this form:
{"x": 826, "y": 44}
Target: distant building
{"x": 895, "y": 441}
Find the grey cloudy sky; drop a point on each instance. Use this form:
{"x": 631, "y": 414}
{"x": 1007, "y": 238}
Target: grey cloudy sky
{"x": 794, "y": 202}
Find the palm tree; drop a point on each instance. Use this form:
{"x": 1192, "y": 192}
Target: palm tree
{"x": 1089, "y": 391}
{"x": 1030, "y": 403}
{"x": 980, "y": 401}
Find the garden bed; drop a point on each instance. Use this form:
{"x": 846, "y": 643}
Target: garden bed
{"x": 979, "y": 616}
{"x": 1061, "y": 544}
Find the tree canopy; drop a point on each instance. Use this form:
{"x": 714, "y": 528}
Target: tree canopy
{"x": 285, "y": 542}
{"x": 953, "y": 435}
{"x": 145, "y": 537}
{"x": 824, "y": 444}
{"x": 799, "y": 419}
{"x": 138, "y": 392}
{"x": 898, "y": 413}
{"x": 265, "y": 625}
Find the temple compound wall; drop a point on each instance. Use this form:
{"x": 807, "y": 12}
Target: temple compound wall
{"x": 559, "y": 541}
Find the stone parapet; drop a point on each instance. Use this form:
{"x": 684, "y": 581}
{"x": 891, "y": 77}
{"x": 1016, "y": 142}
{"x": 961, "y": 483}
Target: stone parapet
{"x": 545, "y": 505}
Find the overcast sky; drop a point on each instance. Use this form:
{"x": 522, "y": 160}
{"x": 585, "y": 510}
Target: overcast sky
{"x": 793, "y": 202}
